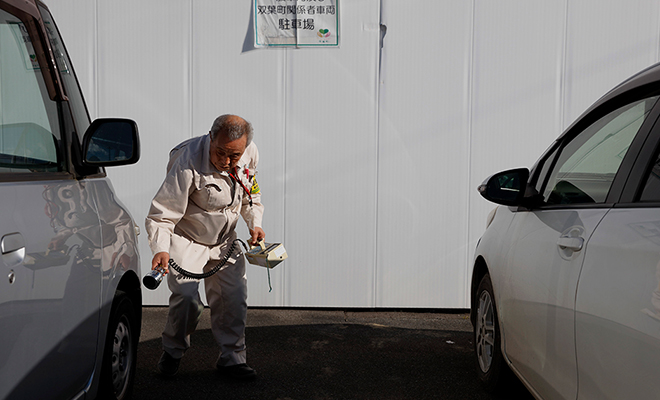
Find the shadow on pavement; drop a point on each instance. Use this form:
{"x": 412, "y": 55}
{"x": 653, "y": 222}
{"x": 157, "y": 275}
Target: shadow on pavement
{"x": 325, "y": 361}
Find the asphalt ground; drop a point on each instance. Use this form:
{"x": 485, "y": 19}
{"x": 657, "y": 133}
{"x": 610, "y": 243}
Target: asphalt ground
{"x": 318, "y": 354}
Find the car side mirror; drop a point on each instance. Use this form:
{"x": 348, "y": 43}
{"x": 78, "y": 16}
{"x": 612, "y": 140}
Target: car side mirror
{"x": 110, "y": 142}
{"x": 506, "y": 188}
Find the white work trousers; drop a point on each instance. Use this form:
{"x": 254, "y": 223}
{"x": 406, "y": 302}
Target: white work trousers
{"x": 226, "y": 292}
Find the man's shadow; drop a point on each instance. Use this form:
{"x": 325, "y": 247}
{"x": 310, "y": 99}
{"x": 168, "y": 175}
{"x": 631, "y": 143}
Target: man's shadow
{"x": 325, "y": 361}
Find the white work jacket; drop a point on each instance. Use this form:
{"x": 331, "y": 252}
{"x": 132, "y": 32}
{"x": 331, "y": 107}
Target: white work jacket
{"x": 201, "y": 204}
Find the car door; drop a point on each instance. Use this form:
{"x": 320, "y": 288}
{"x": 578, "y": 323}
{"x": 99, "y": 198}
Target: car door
{"x": 547, "y": 246}
{"x": 50, "y": 284}
{"x": 618, "y": 298}
{"x": 13, "y": 249}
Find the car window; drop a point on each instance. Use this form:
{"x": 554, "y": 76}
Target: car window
{"x": 69, "y": 80}
{"x": 651, "y": 191}
{"x": 586, "y": 166}
{"x": 29, "y": 127}
{"x": 544, "y": 168}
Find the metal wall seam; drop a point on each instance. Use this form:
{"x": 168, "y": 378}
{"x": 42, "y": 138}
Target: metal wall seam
{"x": 469, "y": 88}
{"x": 657, "y": 45}
{"x": 189, "y": 65}
{"x": 285, "y": 66}
{"x": 561, "y": 73}
{"x": 381, "y": 37}
{"x": 95, "y": 62}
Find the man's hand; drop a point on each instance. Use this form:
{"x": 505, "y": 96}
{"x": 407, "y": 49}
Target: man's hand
{"x": 160, "y": 261}
{"x": 57, "y": 243}
{"x": 257, "y": 235}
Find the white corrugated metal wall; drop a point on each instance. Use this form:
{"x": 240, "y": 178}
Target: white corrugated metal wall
{"x": 370, "y": 157}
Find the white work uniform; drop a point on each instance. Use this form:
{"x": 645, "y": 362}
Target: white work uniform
{"x": 192, "y": 217}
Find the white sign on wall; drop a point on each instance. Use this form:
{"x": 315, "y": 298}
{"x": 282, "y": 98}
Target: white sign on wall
{"x": 297, "y": 23}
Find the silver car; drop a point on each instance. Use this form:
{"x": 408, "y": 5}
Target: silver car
{"x": 565, "y": 288}
{"x": 70, "y": 300}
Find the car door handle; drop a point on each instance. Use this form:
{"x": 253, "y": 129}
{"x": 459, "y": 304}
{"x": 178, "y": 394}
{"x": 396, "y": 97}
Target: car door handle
{"x": 571, "y": 243}
{"x": 12, "y": 246}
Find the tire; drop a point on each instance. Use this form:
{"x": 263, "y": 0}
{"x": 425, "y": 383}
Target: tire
{"x": 120, "y": 352}
{"x": 490, "y": 365}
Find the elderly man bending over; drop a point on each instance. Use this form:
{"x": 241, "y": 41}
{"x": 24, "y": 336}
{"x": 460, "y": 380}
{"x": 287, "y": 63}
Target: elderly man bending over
{"x": 210, "y": 181}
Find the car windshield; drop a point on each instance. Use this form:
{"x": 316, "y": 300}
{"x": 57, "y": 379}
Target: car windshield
{"x": 29, "y": 128}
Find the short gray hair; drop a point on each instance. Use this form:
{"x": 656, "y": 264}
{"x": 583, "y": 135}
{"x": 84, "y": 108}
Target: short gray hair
{"x": 233, "y": 127}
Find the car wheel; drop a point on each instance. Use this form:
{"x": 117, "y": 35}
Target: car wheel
{"x": 120, "y": 352}
{"x": 491, "y": 368}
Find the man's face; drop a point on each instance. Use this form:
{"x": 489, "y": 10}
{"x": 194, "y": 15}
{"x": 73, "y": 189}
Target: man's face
{"x": 225, "y": 153}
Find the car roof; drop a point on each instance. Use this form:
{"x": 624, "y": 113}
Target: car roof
{"x": 645, "y": 81}
{"x": 26, "y": 6}
{"x": 645, "y": 77}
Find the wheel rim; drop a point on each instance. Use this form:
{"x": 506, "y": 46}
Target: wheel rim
{"x": 485, "y": 337}
{"x": 122, "y": 357}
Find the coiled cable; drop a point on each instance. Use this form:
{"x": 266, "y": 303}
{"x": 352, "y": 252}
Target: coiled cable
{"x": 191, "y": 275}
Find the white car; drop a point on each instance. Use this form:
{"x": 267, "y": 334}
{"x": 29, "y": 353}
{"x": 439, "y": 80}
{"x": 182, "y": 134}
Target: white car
{"x": 565, "y": 288}
{"x": 70, "y": 296}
